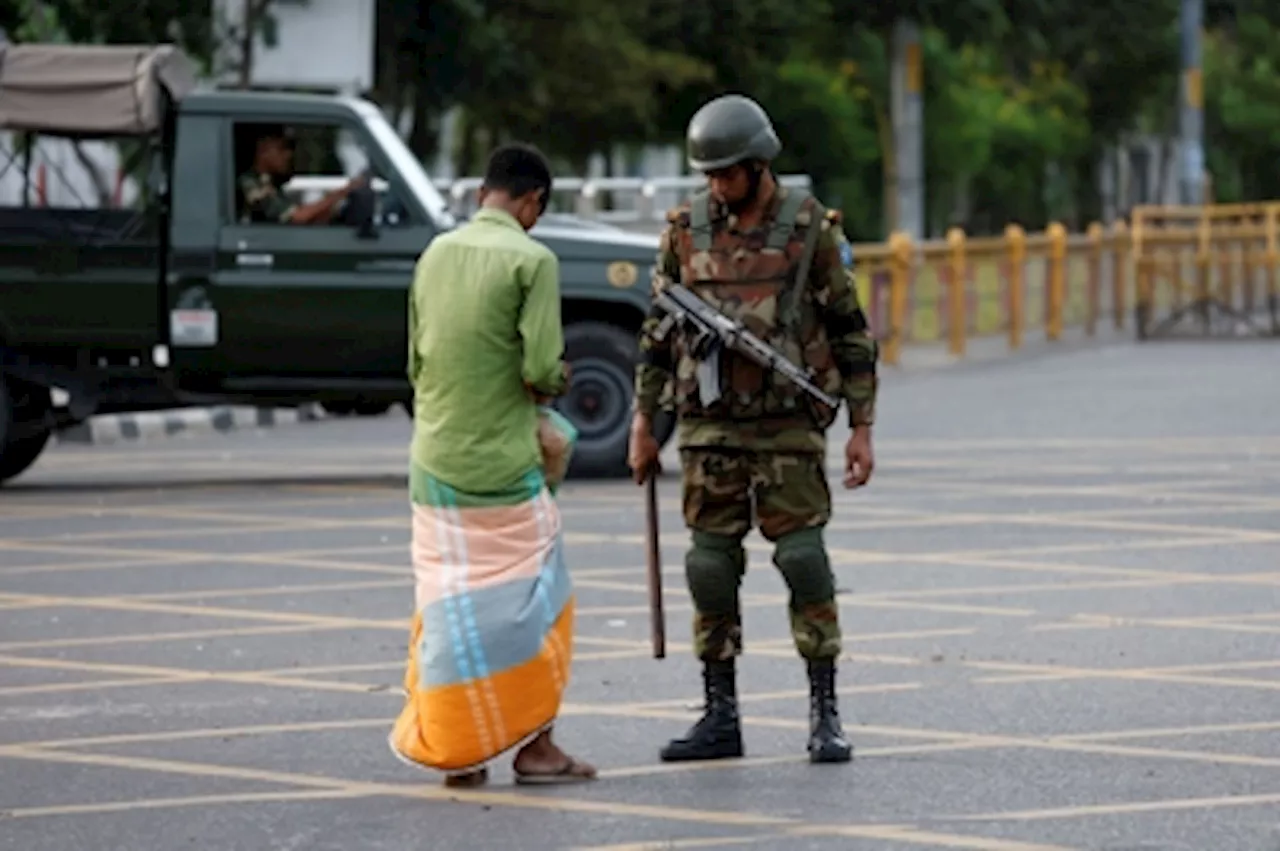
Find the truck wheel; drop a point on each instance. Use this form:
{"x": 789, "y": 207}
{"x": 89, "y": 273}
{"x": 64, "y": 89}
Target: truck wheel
{"x": 371, "y": 409}
{"x": 19, "y": 406}
{"x": 337, "y": 409}
{"x": 598, "y": 401}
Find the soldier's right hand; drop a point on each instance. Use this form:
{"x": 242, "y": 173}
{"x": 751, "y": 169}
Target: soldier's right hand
{"x": 643, "y": 450}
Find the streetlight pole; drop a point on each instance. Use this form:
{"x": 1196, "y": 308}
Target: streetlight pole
{"x": 1191, "y": 97}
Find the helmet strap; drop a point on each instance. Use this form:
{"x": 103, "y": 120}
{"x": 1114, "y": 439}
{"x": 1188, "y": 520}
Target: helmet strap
{"x": 755, "y": 173}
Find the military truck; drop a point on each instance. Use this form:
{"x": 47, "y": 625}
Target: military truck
{"x": 178, "y": 300}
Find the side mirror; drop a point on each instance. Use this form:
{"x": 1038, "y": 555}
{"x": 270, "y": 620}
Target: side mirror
{"x": 360, "y": 210}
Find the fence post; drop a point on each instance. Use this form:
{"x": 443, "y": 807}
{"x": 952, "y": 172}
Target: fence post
{"x": 1057, "y": 278}
{"x": 1273, "y": 259}
{"x": 957, "y": 322}
{"x": 1119, "y": 270}
{"x": 1017, "y": 239}
{"x": 1204, "y": 274}
{"x": 1093, "y": 292}
{"x": 899, "y": 284}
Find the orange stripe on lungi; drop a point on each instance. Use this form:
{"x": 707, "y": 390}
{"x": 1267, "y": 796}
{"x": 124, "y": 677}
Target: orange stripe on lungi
{"x": 437, "y": 727}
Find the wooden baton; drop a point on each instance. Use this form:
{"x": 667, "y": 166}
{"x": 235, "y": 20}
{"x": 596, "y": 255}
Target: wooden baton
{"x": 657, "y": 619}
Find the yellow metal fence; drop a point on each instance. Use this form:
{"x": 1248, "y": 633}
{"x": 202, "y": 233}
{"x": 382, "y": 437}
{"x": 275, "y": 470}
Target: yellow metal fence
{"x": 1208, "y": 270}
{"x": 1023, "y": 285}
{"x": 1015, "y": 285}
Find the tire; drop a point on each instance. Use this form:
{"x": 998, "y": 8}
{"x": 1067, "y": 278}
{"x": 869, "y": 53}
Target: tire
{"x": 598, "y": 401}
{"x": 371, "y": 409}
{"x": 6, "y": 410}
{"x": 20, "y": 406}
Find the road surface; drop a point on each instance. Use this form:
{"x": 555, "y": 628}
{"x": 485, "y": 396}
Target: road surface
{"x": 1061, "y": 593}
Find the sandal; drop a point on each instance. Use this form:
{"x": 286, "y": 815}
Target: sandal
{"x": 467, "y": 780}
{"x": 571, "y": 772}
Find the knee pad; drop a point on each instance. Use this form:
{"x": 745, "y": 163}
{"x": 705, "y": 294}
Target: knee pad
{"x": 802, "y": 559}
{"x": 713, "y": 567}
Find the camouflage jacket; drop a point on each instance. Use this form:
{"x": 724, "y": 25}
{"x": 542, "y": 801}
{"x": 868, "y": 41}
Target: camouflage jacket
{"x": 817, "y": 323}
{"x": 263, "y": 201}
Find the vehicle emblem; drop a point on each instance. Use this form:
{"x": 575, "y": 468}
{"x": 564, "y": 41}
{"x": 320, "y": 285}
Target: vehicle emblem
{"x": 622, "y": 274}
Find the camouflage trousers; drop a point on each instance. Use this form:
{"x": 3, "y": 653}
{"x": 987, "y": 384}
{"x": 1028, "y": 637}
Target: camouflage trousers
{"x": 727, "y": 492}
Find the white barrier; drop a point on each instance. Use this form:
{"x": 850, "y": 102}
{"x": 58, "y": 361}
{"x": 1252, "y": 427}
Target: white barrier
{"x": 632, "y": 200}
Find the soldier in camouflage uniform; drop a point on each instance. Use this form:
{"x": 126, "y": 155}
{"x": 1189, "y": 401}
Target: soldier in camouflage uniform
{"x": 776, "y": 259}
{"x": 272, "y": 168}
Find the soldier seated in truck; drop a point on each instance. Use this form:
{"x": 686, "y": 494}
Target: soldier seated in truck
{"x": 260, "y": 198}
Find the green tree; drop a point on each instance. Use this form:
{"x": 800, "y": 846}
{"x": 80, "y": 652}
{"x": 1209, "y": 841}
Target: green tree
{"x": 577, "y": 76}
{"x": 187, "y": 24}
{"x": 828, "y": 131}
{"x": 1242, "y": 108}
{"x": 1004, "y": 133}
{"x": 430, "y": 56}
{"x": 1121, "y": 54}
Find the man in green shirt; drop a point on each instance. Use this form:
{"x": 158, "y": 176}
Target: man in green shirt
{"x": 492, "y": 638}
{"x": 485, "y": 338}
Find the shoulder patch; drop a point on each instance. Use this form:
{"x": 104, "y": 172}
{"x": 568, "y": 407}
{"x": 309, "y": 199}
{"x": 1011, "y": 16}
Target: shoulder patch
{"x": 846, "y": 253}
{"x": 679, "y": 216}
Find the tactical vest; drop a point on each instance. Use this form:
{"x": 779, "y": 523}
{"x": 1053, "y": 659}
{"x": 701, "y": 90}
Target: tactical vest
{"x": 757, "y": 278}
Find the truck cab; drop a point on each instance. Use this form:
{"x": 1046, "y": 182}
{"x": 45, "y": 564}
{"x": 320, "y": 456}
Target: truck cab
{"x": 182, "y": 300}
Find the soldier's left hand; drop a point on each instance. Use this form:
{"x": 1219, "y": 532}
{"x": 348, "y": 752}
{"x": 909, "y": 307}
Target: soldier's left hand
{"x": 859, "y": 461}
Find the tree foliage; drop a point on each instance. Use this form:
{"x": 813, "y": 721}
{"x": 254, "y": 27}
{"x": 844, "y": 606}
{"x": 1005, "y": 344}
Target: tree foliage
{"x": 1022, "y": 97}
{"x": 1242, "y": 121}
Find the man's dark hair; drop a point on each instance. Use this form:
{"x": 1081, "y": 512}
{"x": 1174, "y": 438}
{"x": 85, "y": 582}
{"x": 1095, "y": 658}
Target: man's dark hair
{"x": 262, "y": 132}
{"x": 518, "y": 169}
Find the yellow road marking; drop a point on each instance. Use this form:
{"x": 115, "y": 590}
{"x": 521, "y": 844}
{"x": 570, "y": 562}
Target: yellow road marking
{"x": 1086, "y": 811}
{"x": 115, "y": 564}
{"x": 151, "y": 556}
{"x": 292, "y": 590}
{"x": 191, "y": 801}
{"x": 674, "y": 844}
{"x": 125, "y": 604}
{"x": 1162, "y": 732}
{"x": 896, "y": 833}
{"x": 415, "y": 790}
{"x": 58, "y": 688}
{"x": 931, "y": 838}
{"x": 176, "y": 675}
{"x": 149, "y": 637}
{"x": 210, "y": 733}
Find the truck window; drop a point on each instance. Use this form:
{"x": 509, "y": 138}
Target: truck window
{"x": 269, "y": 157}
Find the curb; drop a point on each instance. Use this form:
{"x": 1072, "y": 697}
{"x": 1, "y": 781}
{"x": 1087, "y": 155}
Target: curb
{"x": 147, "y": 425}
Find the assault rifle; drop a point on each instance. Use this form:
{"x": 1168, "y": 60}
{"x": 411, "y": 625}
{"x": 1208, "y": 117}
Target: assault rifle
{"x": 711, "y": 332}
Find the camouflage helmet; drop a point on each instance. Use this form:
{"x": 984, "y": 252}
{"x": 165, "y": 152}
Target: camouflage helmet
{"x": 728, "y": 130}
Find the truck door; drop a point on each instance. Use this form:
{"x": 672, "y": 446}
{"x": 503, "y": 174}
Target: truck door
{"x": 311, "y": 305}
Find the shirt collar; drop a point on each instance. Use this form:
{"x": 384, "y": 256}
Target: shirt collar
{"x": 497, "y": 217}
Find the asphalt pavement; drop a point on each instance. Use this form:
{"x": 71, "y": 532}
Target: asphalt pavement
{"x": 1061, "y": 595}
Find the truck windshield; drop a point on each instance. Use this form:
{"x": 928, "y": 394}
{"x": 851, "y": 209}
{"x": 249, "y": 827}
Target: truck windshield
{"x": 406, "y": 164}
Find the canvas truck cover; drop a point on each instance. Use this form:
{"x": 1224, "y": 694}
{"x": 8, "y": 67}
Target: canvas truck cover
{"x": 89, "y": 90}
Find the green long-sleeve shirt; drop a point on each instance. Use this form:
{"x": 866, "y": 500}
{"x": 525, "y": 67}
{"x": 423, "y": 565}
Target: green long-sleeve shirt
{"x": 484, "y": 320}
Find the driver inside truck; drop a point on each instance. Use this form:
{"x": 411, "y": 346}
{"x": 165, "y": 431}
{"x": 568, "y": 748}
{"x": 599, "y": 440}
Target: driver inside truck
{"x": 262, "y": 198}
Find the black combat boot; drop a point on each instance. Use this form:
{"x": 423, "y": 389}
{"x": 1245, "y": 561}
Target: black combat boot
{"x": 826, "y": 737}
{"x": 717, "y": 734}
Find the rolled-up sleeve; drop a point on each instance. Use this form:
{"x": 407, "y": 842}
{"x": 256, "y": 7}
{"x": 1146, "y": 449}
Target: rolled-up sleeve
{"x": 656, "y": 363}
{"x": 540, "y": 327}
{"x": 853, "y": 346}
